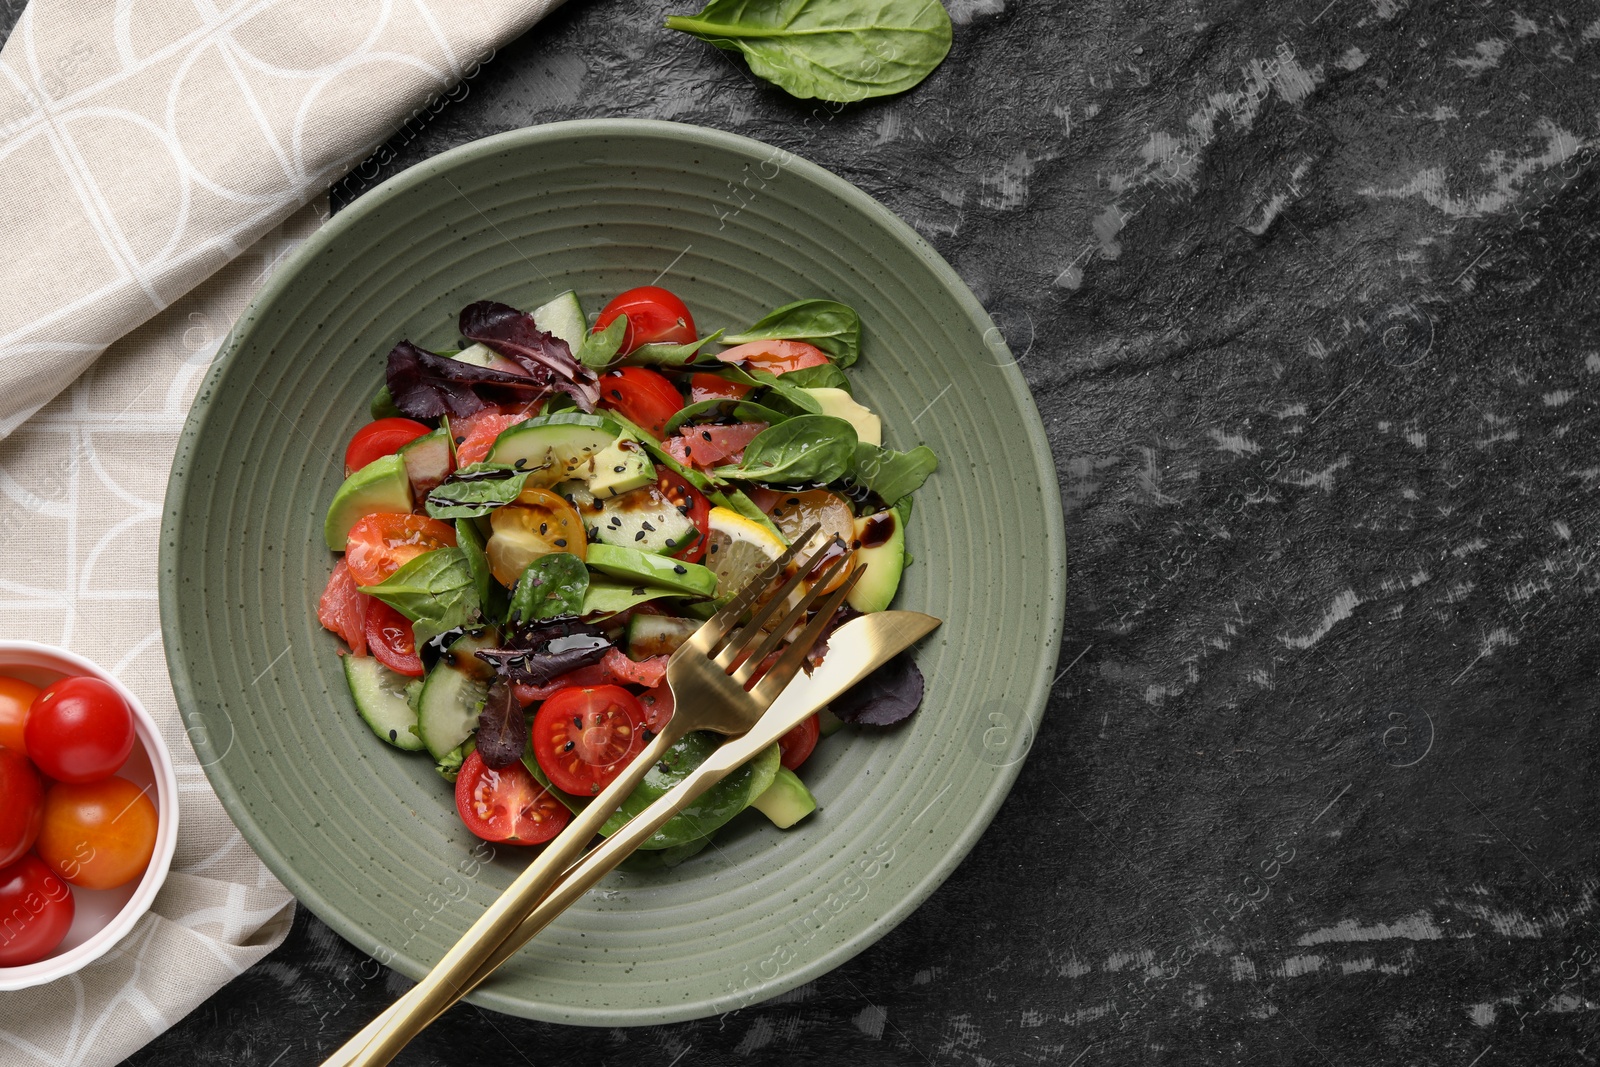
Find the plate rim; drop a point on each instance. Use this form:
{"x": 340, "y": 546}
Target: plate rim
{"x": 1035, "y": 701}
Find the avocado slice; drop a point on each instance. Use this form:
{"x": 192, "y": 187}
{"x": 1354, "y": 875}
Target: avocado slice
{"x": 689, "y": 579}
{"x": 381, "y": 485}
{"x": 841, "y": 405}
{"x": 881, "y": 544}
{"x": 786, "y": 801}
{"x": 621, "y": 468}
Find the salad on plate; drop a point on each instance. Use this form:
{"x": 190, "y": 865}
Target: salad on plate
{"x": 534, "y": 522}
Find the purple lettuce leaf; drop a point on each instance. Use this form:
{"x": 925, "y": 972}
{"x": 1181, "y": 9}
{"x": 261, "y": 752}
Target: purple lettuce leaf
{"x": 543, "y": 355}
{"x": 425, "y": 386}
{"x": 538, "y": 653}
{"x": 886, "y": 696}
{"x": 502, "y": 727}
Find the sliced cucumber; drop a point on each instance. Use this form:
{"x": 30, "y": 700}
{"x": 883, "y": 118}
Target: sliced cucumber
{"x": 643, "y": 519}
{"x": 428, "y": 462}
{"x": 453, "y": 696}
{"x": 786, "y": 801}
{"x": 380, "y": 696}
{"x": 477, "y": 355}
{"x": 555, "y": 447}
{"x": 563, "y": 317}
{"x": 658, "y": 635}
{"x": 630, "y": 565}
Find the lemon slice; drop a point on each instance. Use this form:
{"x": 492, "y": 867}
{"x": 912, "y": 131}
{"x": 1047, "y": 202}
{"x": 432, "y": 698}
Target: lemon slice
{"x": 737, "y": 549}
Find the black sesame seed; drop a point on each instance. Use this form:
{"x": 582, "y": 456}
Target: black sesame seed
{"x": 647, "y": 526}
{"x": 705, "y": 435}
{"x": 616, "y": 394}
{"x": 639, "y": 536}
{"x": 561, "y": 542}
{"x": 577, "y": 722}
{"x": 671, "y": 543}
{"x": 544, "y": 528}
{"x": 461, "y": 440}
{"x": 679, "y": 568}
{"x": 620, "y": 467}
{"x": 393, "y": 735}
{"x": 519, "y": 464}
{"x": 569, "y": 747}
{"x": 793, "y": 501}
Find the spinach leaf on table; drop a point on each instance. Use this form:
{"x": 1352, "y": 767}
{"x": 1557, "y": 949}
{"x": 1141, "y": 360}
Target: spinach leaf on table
{"x": 831, "y": 326}
{"x": 805, "y": 449}
{"x": 838, "y": 50}
{"x": 435, "y": 591}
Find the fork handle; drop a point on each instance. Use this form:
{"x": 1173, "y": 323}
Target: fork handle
{"x": 449, "y": 979}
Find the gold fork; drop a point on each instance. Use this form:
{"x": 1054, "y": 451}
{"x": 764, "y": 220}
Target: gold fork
{"x": 705, "y": 697}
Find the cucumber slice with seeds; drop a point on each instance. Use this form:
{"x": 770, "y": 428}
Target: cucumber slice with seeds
{"x": 380, "y": 696}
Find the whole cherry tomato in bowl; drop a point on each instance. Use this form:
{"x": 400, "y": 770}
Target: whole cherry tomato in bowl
{"x": 79, "y": 730}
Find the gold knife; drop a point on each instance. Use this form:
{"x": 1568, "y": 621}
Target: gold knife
{"x": 855, "y": 650}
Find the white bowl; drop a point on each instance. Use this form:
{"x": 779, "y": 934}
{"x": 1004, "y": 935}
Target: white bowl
{"x": 102, "y": 917}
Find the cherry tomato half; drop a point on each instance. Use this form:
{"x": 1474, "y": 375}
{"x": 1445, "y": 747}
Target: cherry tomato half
{"x": 539, "y": 523}
{"x": 642, "y": 395}
{"x": 98, "y": 835}
{"x": 79, "y": 730}
{"x": 383, "y": 542}
{"x": 584, "y": 735}
{"x": 654, "y": 315}
{"x": 391, "y": 639}
{"x": 38, "y": 906}
{"x": 16, "y": 696}
{"x": 507, "y": 805}
{"x": 21, "y": 805}
{"x": 378, "y": 439}
{"x": 682, "y": 495}
{"x": 703, "y": 386}
{"x": 798, "y": 744}
{"x": 779, "y": 357}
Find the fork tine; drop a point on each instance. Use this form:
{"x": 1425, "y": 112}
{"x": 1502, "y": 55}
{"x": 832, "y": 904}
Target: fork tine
{"x": 775, "y": 638}
{"x": 774, "y": 681}
{"x": 719, "y": 625}
{"x": 747, "y": 633}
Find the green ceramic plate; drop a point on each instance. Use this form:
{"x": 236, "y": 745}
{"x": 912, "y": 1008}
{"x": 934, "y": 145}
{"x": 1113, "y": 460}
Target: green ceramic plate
{"x": 366, "y": 836}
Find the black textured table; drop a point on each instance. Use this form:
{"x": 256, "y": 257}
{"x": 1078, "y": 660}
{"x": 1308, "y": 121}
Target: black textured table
{"x": 1307, "y": 297}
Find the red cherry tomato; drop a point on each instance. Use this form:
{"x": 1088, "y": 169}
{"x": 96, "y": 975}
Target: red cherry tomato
{"x": 683, "y": 495}
{"x": 654, "y": 315}
{"x": 21, "y": 806}
{"x": 16, "y": 696}
{"x": 584, "y": 735}
{"x": 798, "y": 744}
{"x": 779, "y": 357}
{"x": 98, "y": 835}
{"x": 391, "y": 639}
{"x": 703, "y": 386}
{"x": 641, "y": 394}
{"x": 378, "y": 439}
{"x": 383, "y": 542}
{"x": 507, "y": 805}
{"x": 38, "y": 908}
{"x": 79, "y": 730}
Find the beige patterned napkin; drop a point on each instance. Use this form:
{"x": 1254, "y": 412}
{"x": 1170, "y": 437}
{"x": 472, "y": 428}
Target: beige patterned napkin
{"x": 146, "y": 149}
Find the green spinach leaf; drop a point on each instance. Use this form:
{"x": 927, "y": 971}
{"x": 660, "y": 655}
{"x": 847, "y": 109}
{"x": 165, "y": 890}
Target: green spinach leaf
{"x": 780, "y": 394}
{"x": 804, "y": 449}
{"x": 825, "y": 376}
{"x": 553, "y": 585}
{"x": 491, "y": 596}
{"x": 723, "y": 408}
{"x": 665, "y": 355}
{"x": 435, "y": 591}
{"x": 831, "y": 49}
{"x": 831, "y": 326}
{"x": 892, "y": 475}
{"x": 598, "y": 349}
{"x": 476, "y": 489}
